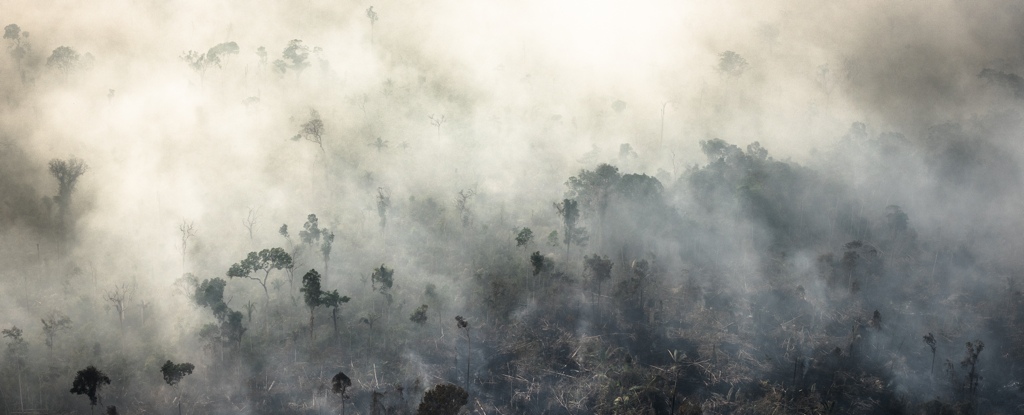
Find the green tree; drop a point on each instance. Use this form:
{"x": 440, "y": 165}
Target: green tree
{"x": 266, "y": 260}
{"x": 173, "y": 373}
{"x": 89, "y": 382}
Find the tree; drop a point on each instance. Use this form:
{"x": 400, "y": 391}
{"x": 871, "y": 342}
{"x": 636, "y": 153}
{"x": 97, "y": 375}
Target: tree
{"x": 67, "y": 173}
{"x": 188, "y": 231}
{"x": 372, "y": 15}
{"x": 444, "y": 399}
{"x": 570, "y": 213}
{"x": 63, "y": 59}
{"x": 524, "y": 237}
{"x": 295, "y": 57}
{"x": 419, "y": 316}
{"x": 334, "y": 300}
{"x": 54, "y": 323}
{"x": 16, "y": 354}
{"x": 599, "y": 269}
{"x": 200, "y": 62}
{"x": 383, "y": 203}
{"x": 89, "y": 382}
{"x": 731, "y": 64}
{"x": 210, "y": 293}
{"x": 462, "y": 205}
{"x": 173, "y": 373}
{"x": 250, "y": 222}
{"x": 339, "y": 385}
{"x": 462, "y": 323}
{"x": 20, "y": 46}
{"x": 266, "y": 260}
{"x": 313, "y": 131}
{"x": 313, "y": 296}
{"x": 119, "y": 297}
{"x": 325, "y": 249}
{"x": 310, "y": 232}
{"x": 382, "y": 279}
{"x": 929, "y": 339}
{"x": 380, "y": 144}
{"x": 437, "y": 122}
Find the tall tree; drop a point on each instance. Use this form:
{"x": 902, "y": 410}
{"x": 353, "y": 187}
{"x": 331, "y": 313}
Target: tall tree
{"x": 313, "y": 296}
{"x": 334, "y": 300}
{"x": 188, "y": 231}
{"x": 17, "y": 351}
{"x": 20, "y": 46}
{"x": 569, "y": 212}
{"x": 173, "y": 373}
{"x": 89, "y": 382}
{"x": 266, "y": 260}
{"x": 67, "y": 173}
{"x": 119, "y": 297}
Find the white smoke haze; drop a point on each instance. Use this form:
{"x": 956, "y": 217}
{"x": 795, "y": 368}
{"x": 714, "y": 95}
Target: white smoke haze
{"x": 867, "y": 110}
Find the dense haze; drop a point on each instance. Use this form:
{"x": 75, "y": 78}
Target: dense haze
{"x": 792, "y": 197}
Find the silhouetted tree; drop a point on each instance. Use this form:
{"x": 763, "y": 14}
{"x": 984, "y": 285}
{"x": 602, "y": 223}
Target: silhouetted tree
{"x": 599, "y": 269}
{"x": 173, "y": 373}
{"x": 89, "y": 382}
{"x": 334, "y": 300}
{"x": 313, "y": 296}
{"x": 383, "y": 203}
{"x": 444, "y": 399}
{"x": 339, "y": 385}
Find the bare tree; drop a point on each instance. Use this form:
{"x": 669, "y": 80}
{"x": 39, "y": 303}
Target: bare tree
{"x": 437, "y": 122}
{"x": 372, "y": 15}
{"x": 313, "y": 131}
{"x": 188, "y": 230}
{"x": 54, "y": 323}
{"x": 250, "y": 222}
{"x": 120, "y": 297}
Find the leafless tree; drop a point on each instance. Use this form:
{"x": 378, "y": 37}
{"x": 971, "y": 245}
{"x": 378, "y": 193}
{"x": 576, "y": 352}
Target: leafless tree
{"x": 250, "y": 222}
{"x": 120, "y": 297}
{"x": 188, "y": 230}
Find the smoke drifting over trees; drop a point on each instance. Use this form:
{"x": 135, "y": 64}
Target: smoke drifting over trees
{"x": 517, "y": 207}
